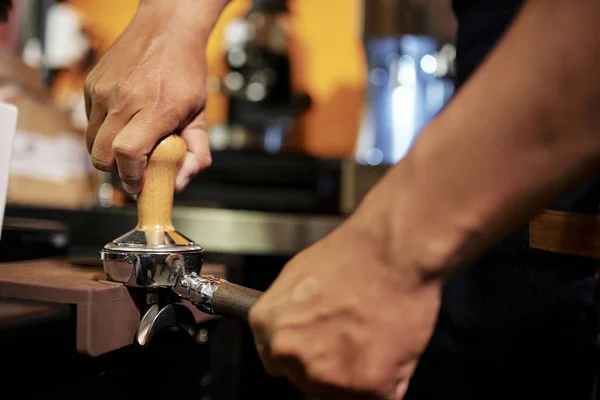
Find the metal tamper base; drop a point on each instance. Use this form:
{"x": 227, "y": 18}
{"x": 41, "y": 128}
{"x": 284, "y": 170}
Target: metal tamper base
{"x": 155, "y": 257}
{"x": 130, "y": 260}
{"x": 154, "y": 254}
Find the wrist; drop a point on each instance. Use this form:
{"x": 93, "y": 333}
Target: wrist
{"x": 193, "y": 18}
{"x": 416, "y": 231}
{"x": 383, "y": 239}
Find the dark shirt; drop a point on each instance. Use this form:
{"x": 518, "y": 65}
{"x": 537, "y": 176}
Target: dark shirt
{"x": 481, "y": 24}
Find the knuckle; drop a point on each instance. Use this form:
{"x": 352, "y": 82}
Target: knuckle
{"x": 257, "y": 318}
{"x": 99, "y": 92}
{"x": 130, "y": 177}
{"x": 202, "y": 163}
{"x": 125, "y": 149}
{"x": 101, "y": 163}
{"x": 282, "y": 347}
{"x": 167, "y": 117}
{"x": 178, "y": 110}
{"x": 205, "y": 162}
{"x": 123, "y": 94}
{"x": 324, "y": 374}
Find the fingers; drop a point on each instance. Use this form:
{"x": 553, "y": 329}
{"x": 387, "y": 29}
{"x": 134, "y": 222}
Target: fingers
{"x": 198, "y": 156}
{"x": 277, "y": 359}
{"x": 102, "y": 152}
{"x": 133, "y": 144}
{"x": 96, "y": 117}
{"x": 113, "y": 140}
{"x": 401, "y": 389}
{"x": 258, "y": 323}
{"x": 280, "y": 366}
{"x": 269, "y": 363}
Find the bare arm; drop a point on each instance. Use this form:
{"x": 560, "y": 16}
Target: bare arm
{"x": 197, "y": 15}
{"x": 520, "y": 133}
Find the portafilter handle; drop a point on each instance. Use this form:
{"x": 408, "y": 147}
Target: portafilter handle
{"x": 214, "y": 295}
{"x": 209, "y": 293}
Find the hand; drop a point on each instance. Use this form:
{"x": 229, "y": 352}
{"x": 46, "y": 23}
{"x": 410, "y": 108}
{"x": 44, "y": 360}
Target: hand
{"x": 150, "y": 84}
{"x": 340, "y": 321}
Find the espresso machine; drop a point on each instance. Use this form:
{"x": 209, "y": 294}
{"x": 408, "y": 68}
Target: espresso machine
{"x": 262, "y": 105}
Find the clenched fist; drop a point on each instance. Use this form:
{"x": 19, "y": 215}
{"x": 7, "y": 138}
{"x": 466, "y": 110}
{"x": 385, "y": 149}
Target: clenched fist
{"x": 344, "y": 322}
{"x": 150, "y": 84}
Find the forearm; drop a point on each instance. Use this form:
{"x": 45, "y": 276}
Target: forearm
{"x": 520, "y": 133}
{"x": 197, "y": 17}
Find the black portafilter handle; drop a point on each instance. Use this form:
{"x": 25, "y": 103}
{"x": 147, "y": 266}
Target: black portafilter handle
{"x": 217, "y": 296}
{"x": 234, "y": 301}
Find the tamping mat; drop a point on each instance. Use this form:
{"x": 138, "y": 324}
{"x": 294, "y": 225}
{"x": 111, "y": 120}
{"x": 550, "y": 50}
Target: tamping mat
{"x": 108, "y": 313}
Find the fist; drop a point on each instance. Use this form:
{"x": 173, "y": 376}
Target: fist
{"x": 340, "y": 321}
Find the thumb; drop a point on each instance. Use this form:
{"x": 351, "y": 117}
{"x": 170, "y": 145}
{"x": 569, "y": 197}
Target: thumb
{"x": 198, "y": 156}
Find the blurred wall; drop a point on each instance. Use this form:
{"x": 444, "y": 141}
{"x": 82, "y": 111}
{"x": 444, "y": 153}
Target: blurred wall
{"x": 327, "y": 59}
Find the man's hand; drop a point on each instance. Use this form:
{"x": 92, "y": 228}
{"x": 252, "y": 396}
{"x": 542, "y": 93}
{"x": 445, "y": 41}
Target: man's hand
{"x": 342, "y": 322}
{"x": 151, "y": 83}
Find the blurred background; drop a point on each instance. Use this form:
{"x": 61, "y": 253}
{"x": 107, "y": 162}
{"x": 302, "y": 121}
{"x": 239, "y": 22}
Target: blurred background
{"x": 309, "y": 103}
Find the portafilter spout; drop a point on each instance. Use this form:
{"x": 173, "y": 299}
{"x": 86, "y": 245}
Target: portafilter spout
{"x": 156, "y": 257}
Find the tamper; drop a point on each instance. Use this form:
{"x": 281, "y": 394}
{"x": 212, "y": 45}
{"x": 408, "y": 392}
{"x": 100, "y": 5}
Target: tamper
{"x": 156, "y": 257}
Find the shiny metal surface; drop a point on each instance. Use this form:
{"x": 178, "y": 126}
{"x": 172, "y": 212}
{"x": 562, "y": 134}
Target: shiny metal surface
{"x": 140, "y": 241}
{"x": 219, "y": 230}
{"x": 251, "y": 232}
{"x": 199, "y": 290}
{"x": 150, "y": 259}
{"x": 149, "y": 269}
{"x": 156, "y": 319}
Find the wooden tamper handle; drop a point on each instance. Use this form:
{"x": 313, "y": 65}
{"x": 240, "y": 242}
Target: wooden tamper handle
{"x": 155, "y": 201}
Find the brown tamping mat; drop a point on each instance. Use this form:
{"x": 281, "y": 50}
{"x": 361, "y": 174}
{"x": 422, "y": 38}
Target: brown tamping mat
{"x": 107, "y": 313}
